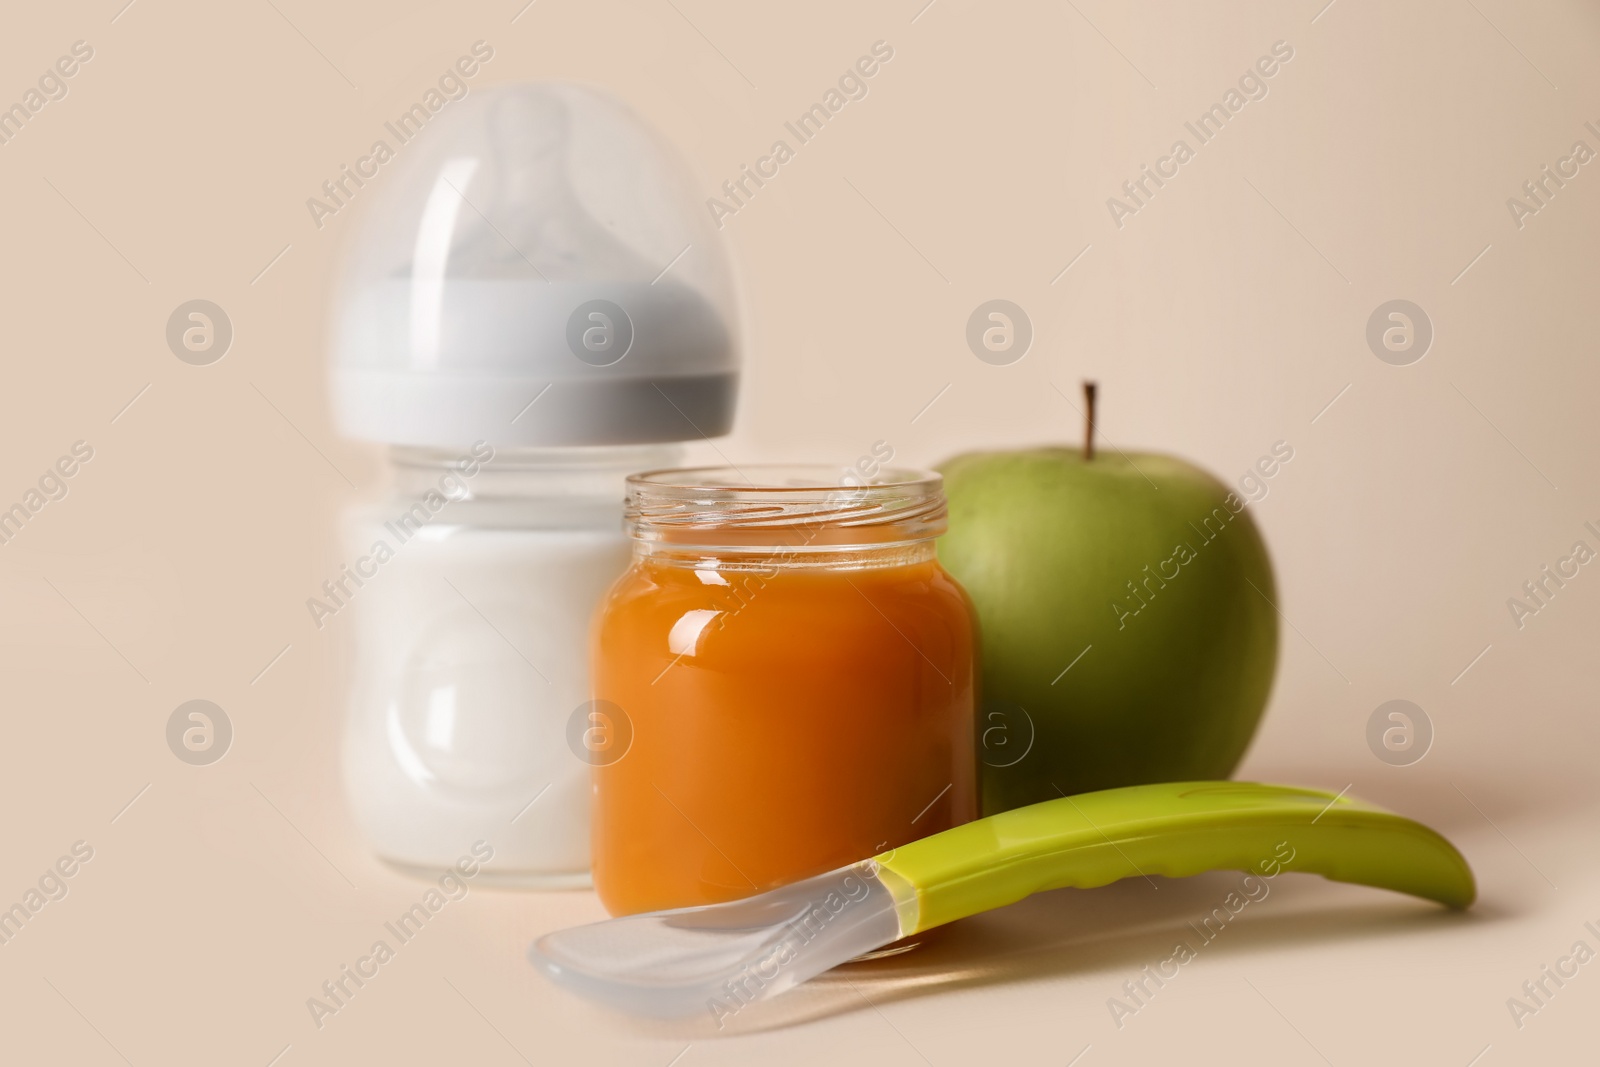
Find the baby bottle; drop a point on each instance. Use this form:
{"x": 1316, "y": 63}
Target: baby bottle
{"x": 534, "y": 307}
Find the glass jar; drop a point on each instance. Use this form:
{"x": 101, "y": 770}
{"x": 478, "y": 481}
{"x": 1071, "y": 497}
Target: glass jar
{"x": 788, "y": 675}
{"x": 474, "y": 582}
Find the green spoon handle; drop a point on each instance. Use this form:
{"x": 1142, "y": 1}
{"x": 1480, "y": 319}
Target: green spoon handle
{"x": 1174, "y": 829}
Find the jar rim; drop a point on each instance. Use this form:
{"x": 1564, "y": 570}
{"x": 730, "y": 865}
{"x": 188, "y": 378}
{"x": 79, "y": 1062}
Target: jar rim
{"x": 781, "y": 478}
{"x": 896, "y": 505}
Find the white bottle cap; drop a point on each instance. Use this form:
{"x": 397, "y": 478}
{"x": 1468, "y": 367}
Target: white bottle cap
{"x": 535, "y": 241}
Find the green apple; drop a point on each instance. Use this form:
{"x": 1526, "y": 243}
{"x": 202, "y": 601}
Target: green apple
{"x": 1126, "y": 607}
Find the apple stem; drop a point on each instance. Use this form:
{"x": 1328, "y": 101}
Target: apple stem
{"x": 1088, "y": 420}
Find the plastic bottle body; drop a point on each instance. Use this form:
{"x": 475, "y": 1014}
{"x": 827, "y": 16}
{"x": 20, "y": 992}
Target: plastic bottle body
{"x": 471, "y": 654}
{"x": 538, "y": 272}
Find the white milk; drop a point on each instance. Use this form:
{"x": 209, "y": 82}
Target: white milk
{"x": 471, "y": 656}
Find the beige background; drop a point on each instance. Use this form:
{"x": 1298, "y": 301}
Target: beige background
{"x": 1222, "y": 318}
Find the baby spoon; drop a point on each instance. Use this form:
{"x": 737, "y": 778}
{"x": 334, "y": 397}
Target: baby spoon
{"x": 724, "y": 956}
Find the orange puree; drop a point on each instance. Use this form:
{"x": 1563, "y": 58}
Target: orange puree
{"x": 790, "y": 721}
